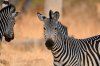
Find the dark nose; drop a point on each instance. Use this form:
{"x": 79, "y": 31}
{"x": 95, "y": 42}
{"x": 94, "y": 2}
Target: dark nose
{"x": 9, "y": 38}
{"x": 49, "y": 44}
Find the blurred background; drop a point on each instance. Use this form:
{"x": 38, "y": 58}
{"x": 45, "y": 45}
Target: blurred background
{"x": 81, "y": 17}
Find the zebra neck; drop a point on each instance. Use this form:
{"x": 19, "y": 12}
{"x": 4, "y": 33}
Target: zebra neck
{"x": 62, "y": 29}
{"x": 58, "y": 44}
{"x": 59, "y": 49}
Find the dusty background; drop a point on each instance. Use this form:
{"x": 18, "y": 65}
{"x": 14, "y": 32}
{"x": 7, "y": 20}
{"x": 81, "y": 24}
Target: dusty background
{"x": 28, "y": 49}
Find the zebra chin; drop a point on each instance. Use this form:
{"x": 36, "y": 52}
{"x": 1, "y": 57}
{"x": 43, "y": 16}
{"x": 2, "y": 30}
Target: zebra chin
{"x": 49, "y": 44}
{"x": 9, "y": 39}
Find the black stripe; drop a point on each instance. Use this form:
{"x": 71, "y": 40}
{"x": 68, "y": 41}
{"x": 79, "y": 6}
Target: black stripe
{"x": 5, "y": 18}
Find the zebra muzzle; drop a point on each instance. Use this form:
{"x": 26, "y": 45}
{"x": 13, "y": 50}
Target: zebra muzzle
{"x": 49, "y": 44}
{"x": 8, "y": 39}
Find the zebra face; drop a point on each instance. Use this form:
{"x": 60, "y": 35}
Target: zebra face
{"x": 50, "y": 27}
{"x": 9, "y": 33}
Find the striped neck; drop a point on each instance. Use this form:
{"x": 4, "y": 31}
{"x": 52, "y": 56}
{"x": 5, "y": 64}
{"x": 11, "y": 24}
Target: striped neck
{"x": 63, "y": 33}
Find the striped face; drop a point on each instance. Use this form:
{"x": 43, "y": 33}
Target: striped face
{"x": 10, "y": 19}
{"x": 9, "y": 33}
{"x": 50, "y": 27}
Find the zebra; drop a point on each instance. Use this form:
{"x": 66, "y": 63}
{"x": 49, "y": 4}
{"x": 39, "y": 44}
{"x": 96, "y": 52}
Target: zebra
{"x": 68, "y": 51}
{"x": 7, "y": 21}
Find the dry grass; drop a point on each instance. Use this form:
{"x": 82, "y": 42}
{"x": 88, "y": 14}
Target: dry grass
{"x": 12, "y": 56}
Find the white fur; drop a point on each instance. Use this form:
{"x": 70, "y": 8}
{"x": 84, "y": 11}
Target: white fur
{"x": 4, "y": 5}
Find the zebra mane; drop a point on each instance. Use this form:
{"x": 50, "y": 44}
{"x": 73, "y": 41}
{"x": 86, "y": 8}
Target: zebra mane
{"x": 64, "y": 28}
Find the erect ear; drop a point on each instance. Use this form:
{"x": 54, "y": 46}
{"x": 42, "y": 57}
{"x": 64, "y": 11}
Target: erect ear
{"x": 56, "y": 15}
{"x": 41, "y": 17}
{"x": 15, "y": 14}
{"x": 51, "y": 14}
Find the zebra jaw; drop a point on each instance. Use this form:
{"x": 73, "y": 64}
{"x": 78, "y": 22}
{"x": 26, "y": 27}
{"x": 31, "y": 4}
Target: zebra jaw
{"x": 49, "y": 44}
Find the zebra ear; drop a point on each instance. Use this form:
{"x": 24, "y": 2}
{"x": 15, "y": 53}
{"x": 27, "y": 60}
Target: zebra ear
{"x": 51, "y": 14}
{"x": 56, "y": 15}
{"x": 41, "y": 17}
{"x": 15, "y": 14}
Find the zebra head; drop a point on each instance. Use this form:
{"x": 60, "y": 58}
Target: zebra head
{"x": 50, "y": 27}
{"x": 9, "y": 32}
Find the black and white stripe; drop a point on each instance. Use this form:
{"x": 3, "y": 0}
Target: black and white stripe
{"x": 7, "y": 21}
{"x": 68, "y": 51}
{"x": 77, "y": 52}
{"x": 63, "y": 29}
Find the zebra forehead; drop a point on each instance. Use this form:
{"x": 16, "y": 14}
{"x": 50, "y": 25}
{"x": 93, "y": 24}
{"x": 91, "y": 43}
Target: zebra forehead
{"x": 50, "y": 23}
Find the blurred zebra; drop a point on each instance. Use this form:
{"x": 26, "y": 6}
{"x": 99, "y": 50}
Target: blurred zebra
{"x": 69, "y": 51}
{"x": 7, "y": 21}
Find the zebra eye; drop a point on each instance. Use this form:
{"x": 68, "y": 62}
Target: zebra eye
{"x": 55, "y": 28}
